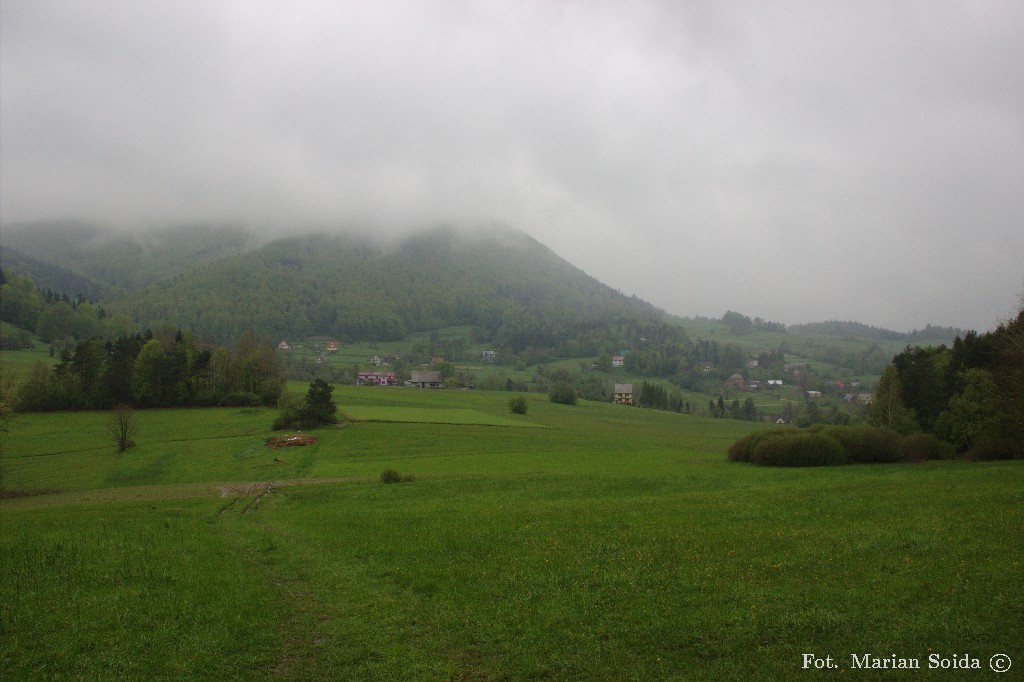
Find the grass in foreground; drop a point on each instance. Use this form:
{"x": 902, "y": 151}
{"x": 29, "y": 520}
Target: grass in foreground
{"x": 615, "y": 543}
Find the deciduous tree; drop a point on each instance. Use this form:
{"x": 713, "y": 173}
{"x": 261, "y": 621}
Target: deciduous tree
{"x": 122, "y": 426}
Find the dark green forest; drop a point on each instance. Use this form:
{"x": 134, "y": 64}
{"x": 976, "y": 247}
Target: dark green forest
{"x": 970, "y": 394}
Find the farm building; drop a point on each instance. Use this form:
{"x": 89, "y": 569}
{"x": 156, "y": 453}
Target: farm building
{"x": 624, "y": 394}
{"x": 736, "y": 381}
{"x": 376, "y": 378}
{"x": 425, "y": 379}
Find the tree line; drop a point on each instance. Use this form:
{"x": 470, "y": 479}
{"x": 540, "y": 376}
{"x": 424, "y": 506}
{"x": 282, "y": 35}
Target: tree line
{"x": 970, "y": 395}
{"x": 148, "y": 370}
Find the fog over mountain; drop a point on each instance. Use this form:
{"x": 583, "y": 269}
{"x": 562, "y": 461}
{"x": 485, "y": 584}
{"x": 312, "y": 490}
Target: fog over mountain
{"x": 793, "y": 160}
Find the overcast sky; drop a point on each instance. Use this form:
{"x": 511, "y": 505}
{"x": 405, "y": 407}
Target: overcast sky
{"x": 797, "y": 161}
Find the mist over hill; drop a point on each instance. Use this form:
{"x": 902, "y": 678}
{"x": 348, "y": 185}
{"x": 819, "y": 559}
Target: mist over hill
{"x": 218, "y": 282}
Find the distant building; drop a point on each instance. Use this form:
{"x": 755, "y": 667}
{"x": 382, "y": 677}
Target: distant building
{"x": 752, "y": 363}
{"x": 488, "y": 355}
{"x": 624, "y": 394}
{"x": 332, "y": 346}
{"x": 618, "y": 361}
{"x": 736, "y": 381}
{"x": 813, "y": 394}
{"x": 376, "y": 378}
{"x": 425, "y": 379}
{"x": 283, "y": 345}
{"x": 376, "y": 361}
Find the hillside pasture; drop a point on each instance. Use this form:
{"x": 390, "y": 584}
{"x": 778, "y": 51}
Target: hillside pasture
{"x": 587, "y": 542}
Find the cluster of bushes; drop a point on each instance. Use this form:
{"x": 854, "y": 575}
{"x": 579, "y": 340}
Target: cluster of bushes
{"x": 823, "y": 445}
{"x": 316, "y": 409}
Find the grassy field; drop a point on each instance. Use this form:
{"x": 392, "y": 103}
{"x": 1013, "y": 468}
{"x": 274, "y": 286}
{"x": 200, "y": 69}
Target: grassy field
{"x": 587, "y": 542}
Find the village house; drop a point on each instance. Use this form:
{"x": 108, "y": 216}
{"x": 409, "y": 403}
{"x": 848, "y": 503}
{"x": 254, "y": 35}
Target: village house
{"x": 813, "y": 394}
{"x": 425, "y": 379}
{"x": 752, "y": 363}
{"x": 332, "y": 346}
{"x": 488, "y": 355}
{"x": 736, "y": 381}
{"x": 376, "y": 378}
{"x": 283, "y": 345}
{"x": 618, "y": 361}
{"x": 376, "y": 361}
{"x": 624, "y": 394}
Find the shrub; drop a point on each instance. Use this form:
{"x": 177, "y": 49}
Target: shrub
{"x": 743, "y": 449}
{"x": 799, "y": 449}
{"x": 241, "y": 399}
{"x": 518, "y": 404}
{"x": 389, "y": 475}
{"x": 740, "y": 450}
{"x": 562, "y": 392}
{"x": 989, "y": 449}
{"x": 920, "y": 447}
{"x": 881, "y": 445}
{"x": 850, "y": 438}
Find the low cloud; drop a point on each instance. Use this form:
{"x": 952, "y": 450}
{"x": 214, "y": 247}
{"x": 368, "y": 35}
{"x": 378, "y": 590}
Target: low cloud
{"x": 795, "y": 160}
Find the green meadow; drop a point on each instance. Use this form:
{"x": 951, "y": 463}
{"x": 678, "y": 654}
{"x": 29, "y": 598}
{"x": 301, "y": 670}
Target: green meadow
{"x": 573, "y": 543}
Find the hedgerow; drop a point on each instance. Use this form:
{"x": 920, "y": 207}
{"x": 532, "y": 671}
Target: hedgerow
{"x": 833, "y": 445}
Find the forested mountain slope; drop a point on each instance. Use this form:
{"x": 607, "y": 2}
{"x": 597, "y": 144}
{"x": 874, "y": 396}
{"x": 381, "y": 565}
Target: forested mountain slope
{"x": 516, "y": 292}
{"x": 110, "y": 262}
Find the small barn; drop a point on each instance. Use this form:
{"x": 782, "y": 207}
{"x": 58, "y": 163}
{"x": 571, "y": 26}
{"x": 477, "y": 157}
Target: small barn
{"x": 624, "y": 394}
{"x": 425, "y": 379}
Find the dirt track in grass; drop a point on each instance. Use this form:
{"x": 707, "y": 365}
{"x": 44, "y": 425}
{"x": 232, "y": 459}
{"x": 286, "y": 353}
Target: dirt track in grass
{"x": 175, "y": 491}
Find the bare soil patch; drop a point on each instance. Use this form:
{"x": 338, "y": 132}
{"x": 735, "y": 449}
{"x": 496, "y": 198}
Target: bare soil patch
{"x": 297, "y": 439}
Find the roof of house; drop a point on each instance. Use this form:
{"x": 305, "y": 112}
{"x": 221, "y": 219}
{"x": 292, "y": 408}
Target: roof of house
{"x": 429, "y": 377}
{"x": 623, "y": 388}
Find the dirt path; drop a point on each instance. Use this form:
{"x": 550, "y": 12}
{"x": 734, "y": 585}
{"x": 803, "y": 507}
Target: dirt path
{"x": 174, "y": 491}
